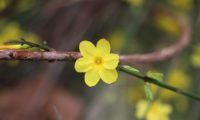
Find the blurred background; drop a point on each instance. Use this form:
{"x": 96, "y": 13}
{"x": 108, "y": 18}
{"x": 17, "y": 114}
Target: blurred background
{"x": 31, "y": 90}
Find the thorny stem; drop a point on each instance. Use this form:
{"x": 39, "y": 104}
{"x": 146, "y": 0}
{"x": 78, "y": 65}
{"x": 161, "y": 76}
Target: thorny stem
{"x": 158, "y": 83}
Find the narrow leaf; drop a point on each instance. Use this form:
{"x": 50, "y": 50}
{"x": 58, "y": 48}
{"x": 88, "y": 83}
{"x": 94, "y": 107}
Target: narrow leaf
{"x": 148, "y": 92}
{"x": 155, "y": 75}
{"x": 131, "y": 68}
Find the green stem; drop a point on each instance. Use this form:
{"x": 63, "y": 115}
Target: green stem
{"x": 157, "y": 82}
{"x": 24, "y": 42}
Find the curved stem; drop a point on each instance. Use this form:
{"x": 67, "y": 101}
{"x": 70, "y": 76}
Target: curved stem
{"x": 158, "y": 83}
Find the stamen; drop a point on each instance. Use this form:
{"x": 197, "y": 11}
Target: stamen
{"x": 98, "y": 60}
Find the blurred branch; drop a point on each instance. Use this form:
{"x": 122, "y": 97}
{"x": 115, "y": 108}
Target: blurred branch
{"x": 165, "y": 53}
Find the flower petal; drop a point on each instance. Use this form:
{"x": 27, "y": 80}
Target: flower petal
{"x": 104, "y": 46}
{"x": 111, "y": 61}
{"x": 92, "y": 77}
{"x": 167, "y": 109}
{"x": 87, "y": 49}
{"x": 108, "y": 76}
{"x": 83, "y": 65}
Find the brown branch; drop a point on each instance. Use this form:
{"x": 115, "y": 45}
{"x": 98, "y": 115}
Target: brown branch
{"x": 39, "y": 55}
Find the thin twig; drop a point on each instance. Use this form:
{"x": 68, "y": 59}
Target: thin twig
{"x": 159, "y": 83}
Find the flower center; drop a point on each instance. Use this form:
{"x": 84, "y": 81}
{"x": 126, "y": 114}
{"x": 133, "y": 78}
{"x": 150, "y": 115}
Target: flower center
{"x": 98, "y": 60}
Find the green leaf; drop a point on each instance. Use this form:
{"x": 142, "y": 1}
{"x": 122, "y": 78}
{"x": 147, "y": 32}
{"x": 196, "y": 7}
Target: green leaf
{"x": 131, "y": 68}
{"x": 155, "y": 75}
{"x": 148, "y": 92}
{"x": 26, "y": 44}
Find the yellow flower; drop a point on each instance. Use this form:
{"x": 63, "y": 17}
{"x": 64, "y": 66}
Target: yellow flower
{"x": 97, "y": 62}
{"x": 167, "y": 24}
{"x": 25, "y": 5}
{"x": 117, "y": 40}
{"x": 4, "y": 4}
{"x": 195, "y": 57}
{"x": 13, "y": 31}
{"x": 184, "y": 5}
{"x": 155, "y": 111}
{"x": 136, "y": 3}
